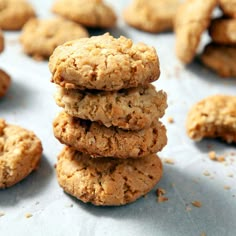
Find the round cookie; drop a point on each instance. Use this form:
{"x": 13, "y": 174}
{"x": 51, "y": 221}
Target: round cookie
{"x": 14, "y": 14}
{"x": 20, "y": 153}
{"x": 99, "y": 141}
{"x": 39, "y": 37}
{"x": 5, "y": 82}
{"x": 192, "y": 18}
{"x": 228, "y": 7}
{"x": 103, "y": 63}
{"x": 221, "y": 59}
{"x": 107, "y": 181}
{"x": 1, "y": 41}
{"x": 223, "y": 31}
{"x": 132, "y": 109}
{"x": 90, "y": 13}
{"x": 151, "y": 16}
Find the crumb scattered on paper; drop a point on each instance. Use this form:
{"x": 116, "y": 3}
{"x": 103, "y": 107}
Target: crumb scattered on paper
{"x": 212, "y": 155}
{"x": 160, "y": 192}
{"x": 226, "y": 187}
{"x": 2, "y": 213}
{"x": 206, "y": 173}
{"x": 28, "y": 215}
{"x": 197, "y": 204}
{"x": 169, "y": 161}
{"x": 162, "y": 199}
{"x": 170, "y": 120}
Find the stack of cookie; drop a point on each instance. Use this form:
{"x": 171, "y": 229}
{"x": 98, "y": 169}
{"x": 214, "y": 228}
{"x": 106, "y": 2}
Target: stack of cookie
{"x": 110, "y": 121}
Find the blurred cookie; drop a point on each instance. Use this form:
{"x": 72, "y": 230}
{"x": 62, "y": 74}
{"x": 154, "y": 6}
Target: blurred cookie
{"x": 228, "y": 7}
{"x": 133, "y": 109}
{"x": 39, "y": 38}
{"x": 192, "y": 18}
{"x": 90, "y": 13}
{"x": 14, "y": 14}
{"x": 1, "y": 41}
{"x": 107, "y": 181}
{"x": 20, "y": 153}
{"x": 213, "y": 117}
{"x": 99, "y": 141}
{"x": 5, "y": 82}
{"x": 103, "y": 63}
{"x": 221, "y": 59}
{"x": 223, "y": 31}
{"x": 151, "y": 16}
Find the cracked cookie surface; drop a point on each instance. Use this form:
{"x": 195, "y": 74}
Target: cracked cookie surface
{"x": 107, "y": 181}
{"x": 100, "y": 141}
{"x": 192, "y": 18}
{"x": 213, "y": 117}
{"x": 228, "y": 7}
{"x": 151, "y": 16}
{"x": 90, "y": 13}
{"x": 14, "y": 14}
{"x": 20, "y": 153}
{"x": 132, "y": 109}
{"x": 40, "y": 37}
{"x": 103, "y": 63}
{"x": 5, "y": 82}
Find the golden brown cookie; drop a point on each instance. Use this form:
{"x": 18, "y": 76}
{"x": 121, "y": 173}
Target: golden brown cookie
{"x": 14, "y": 14}
{"x": 20, "y": 153}
{"x": 213, "y": 117}
{"x": 5, "y": 82}
{"x": 132, "y": 109}
{"x": 151, "y": 16}
{"x": 223, "y": 31}
{"x": 1, "y": 41}
{"x": 99, "y": 141}
{"x": 221, "y": 59}
{"x": 107, "y": 181}
{"x": 103, "y": 63}
{"x": 228, "y": 7}
{"x": 39, "y": 37}
{"x": 192, "y": 18}
{"x": 90, "y": 13}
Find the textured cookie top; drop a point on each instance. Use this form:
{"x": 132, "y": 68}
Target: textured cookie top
{"x": 192, "y": 18}
{"x": 5, "y": 82}
{"x": 228, "y": 7}
{"x": 220, "y": 58}
{"x": 20, "y": 151}
{"x": 99, "y": 141}
{"x": 214, "y": 116}
{"x": 134, "y": 108}
{"x": 1, "y": 41}
{"x": 103, "y": 63}
{"x": 223, "y": 31}
{"x": 151, "y": 16}
{"x": 90, "y": 13}
{"x": 14, "y": 14}
{"x": 107, "y": 181}
{"x": 40, "y": 37}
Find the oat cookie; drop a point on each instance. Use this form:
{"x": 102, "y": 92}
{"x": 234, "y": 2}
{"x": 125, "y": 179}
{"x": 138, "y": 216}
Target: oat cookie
{"x": 20, "y": 153}
{"x": 134, "y": 108}
{"x": 103, "y": 63}
{"x": 223, "y": 31}
{"x": 213, "y": 117}
{"x": 1, "y": 41}
{"x": 221, "y": 59}
{"x": 39, "y": 37}
{"x": 99, "y": 141}
{"x": 107, "y": 181}
{"x": 192, "y": 18}
{"x": 151, "y": 16}
{"x": 90, "y": 13}
{"x": 14, "y": 14}
{"x": 5, "y": 82}
{"x": 228, "y": 7}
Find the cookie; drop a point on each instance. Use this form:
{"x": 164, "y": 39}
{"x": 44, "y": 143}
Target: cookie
{"x": 228, "y": 7}
{"x": 192, "y": 18}
{"x": 132, "y": 109}
{"x": 99, "y": 141}
{"x": 103, "y": 63}
{"x": 1, "y": 42}
{"x": 20, "y": 153}
{"x": 221, "y": 59}
{"x": 213, "y": 117}
{"x": 107, "y": 181}
{"x": 14, "y": 14}
{"x": 151, "y": 16}
{"x": 39, "y": 37}
{"x": 91, "y": 13}
{"x": 5, "y": 82}
{"x": 223, "y": 31}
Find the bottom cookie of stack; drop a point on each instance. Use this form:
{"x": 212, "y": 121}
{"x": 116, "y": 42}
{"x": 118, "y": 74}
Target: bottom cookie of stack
{"x": 107, "y": 181}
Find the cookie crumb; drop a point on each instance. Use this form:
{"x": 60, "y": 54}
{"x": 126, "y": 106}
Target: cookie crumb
{"x": 212, "y": 155}
{"x": 162, "y": 199}
{"x": 2, "y": 213}
{"x": 188, "y": 208}
{"x": 206, "y": 173}
{"x": 169, "y": 161}
{"x": 226, "y": 187}
{"x": 220, "y": 158}
{"x": 197, "y": 204}
{"x": 203, "y": 234}
{"x": 170, "y": 120}
{"x": 28, "y": 215}
{"x": 160, "y": 192}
